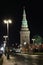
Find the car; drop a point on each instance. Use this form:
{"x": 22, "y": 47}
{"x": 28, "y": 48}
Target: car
{"x": 18, "y": 51}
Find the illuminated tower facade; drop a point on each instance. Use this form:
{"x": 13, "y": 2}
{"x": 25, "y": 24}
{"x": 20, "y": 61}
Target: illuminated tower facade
{"x": 24, "y": 33}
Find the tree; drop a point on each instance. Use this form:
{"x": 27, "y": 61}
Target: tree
{"x": 38, "y": 39}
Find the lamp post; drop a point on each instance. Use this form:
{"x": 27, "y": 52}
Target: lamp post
{"x": 5, "y": 37}
{"x": 8, "y": 22}
{"x": 33, "y": 40}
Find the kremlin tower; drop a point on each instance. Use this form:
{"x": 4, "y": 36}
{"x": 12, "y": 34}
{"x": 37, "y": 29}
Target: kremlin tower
{"x": 24, "y": 33}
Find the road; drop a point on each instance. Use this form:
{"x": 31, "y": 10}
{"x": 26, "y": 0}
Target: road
{"x": 23, "y": 59}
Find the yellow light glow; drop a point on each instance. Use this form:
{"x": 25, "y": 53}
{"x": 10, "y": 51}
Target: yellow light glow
{"x": 7, "y": 21}
{"x": 24, "y": 43}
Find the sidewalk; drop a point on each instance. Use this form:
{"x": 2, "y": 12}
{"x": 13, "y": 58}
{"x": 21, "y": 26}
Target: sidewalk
{"x": 8, "y": 62}
{"x": 27, "y": 55}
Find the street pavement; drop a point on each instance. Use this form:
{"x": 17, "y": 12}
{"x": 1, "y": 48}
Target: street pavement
{"x": 8, "y": 62}
{"x": 26, "y": 59}
{"x": 23, "y": 59}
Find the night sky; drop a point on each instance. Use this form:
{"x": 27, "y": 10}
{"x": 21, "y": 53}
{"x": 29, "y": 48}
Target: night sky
{"x": 13, "y": 9}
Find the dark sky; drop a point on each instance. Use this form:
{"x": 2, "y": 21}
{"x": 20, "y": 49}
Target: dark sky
{"x": 14, "y": 9}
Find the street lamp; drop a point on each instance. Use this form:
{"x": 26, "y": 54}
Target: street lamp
{"x": 5, "y": 37}
{"x": 33, "y": 40}
{"x": 8, "y": 22}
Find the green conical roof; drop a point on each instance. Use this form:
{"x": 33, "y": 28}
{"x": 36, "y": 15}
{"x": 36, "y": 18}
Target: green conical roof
{"x": 24, "y": 20}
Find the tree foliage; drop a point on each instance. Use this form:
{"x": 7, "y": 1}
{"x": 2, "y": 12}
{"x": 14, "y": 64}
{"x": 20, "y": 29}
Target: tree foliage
{"x": 38, "y": 39}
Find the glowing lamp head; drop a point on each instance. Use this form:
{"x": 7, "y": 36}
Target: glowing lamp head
{"x": 24, "y": 43}
{"x": 7, "y": 21}
{"x": 5, "y": 36}
{"x": 33, "y": 39}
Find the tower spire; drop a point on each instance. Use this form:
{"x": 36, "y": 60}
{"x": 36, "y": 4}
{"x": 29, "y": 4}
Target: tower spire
{"x": 24, "y": 14}
{"x": 24, "y": 20}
